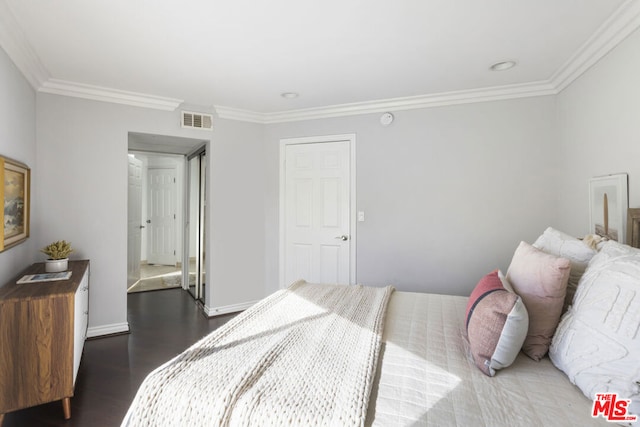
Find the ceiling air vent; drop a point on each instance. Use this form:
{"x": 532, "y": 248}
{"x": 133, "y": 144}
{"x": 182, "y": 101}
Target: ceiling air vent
{"x": 197, "y": 120}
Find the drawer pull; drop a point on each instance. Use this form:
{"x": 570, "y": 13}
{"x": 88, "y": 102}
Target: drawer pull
{"x": 86, "y": 312}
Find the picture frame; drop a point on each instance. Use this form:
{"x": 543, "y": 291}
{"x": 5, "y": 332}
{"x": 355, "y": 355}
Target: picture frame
{"x": 15, "y": 192}
{"x": 608, "y": 205}
{"x": 633, "y": 227}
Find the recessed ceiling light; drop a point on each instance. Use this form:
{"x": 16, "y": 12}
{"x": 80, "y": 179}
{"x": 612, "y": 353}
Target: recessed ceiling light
{"x": 502, "y": 66}
{"x": 289, "y": 95}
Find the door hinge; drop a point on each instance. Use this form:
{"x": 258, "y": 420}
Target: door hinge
{"x": 174, "y": 216}
{"x": 174, "y": 180}
{"x": 174, "y": 253}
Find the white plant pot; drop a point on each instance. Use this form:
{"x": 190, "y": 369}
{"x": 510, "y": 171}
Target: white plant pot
{"x": 55, "y": 265}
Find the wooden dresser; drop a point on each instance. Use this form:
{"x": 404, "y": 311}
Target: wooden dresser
{"x": 43, "y": 327}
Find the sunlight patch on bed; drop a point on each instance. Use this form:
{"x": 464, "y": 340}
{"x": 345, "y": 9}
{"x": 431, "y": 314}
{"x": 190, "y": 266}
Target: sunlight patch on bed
{"x": 419, "y": 375}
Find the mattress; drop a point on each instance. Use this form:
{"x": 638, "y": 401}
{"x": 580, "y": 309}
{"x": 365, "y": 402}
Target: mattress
{"x": 424, "y": 377}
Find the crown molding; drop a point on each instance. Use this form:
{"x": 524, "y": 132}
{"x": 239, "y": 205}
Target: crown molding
{"x": 239, "y": 114}
{"x": 18, "y": 48}
{"x": 394, "y": 104}
{"x": 16, "y": 45}
{"x": 624, "y": 21}
{"x": 98, "y": 93}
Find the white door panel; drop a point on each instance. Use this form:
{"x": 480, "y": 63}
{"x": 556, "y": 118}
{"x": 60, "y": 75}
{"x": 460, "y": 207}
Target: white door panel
{"x": 316, "y": 212}
{"x": 162, "y": 216}
{"x": 330, "y": 263}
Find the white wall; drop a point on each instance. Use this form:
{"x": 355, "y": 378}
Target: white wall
{"x": 18, "y": 141}
{"x": 82, "y": 154}
{"x": 599, "y": 122}
{"x": 447, "y": 192}
{"x": 236, "y": 228}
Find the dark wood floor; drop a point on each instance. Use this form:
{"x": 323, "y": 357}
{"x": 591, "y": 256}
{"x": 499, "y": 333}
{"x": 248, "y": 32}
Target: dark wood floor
{"x": 163, "y": 324}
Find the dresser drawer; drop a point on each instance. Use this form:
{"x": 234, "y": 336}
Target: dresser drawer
{"x": 80, "y": 322}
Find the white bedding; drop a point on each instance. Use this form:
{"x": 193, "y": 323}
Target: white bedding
{"x": 305, "y": 355}
{"x": 425, "y": 379}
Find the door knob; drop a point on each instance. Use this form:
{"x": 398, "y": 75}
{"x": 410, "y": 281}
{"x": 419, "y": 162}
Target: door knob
{"x": 344, "y": 237}
{"x": 141, "y": 226}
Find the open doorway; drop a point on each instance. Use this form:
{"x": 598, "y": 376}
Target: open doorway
{"x": 158, "y": 212}
{"x": 155, "y": 212}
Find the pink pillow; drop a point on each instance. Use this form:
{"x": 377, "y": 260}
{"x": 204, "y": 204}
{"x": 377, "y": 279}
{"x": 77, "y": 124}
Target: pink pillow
{"x": 541, "y": 280}
{"x": 497, "y": 324}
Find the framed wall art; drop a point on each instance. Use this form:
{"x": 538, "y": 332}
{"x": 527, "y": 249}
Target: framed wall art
{"x": 608, "y": 204}
{"x": 15, "y": 192}
{"x": 633, "y": 227}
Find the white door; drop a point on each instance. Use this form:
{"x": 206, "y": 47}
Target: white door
{"x": 161, "y": 209}
{"x": 134, "y": 209}
{"x": 317, "y": 205}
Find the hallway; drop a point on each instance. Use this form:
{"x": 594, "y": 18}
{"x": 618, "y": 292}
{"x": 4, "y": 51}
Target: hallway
{"x": 154, "y": 277}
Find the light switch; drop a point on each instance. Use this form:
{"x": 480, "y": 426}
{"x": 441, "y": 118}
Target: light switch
{"x": 360, "y": 216}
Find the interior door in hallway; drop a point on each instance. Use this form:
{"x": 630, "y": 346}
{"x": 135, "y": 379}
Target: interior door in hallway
{"x": 134, "y": 221}
{"x": 161, "y": 209}
{"x": 316, "y": 213}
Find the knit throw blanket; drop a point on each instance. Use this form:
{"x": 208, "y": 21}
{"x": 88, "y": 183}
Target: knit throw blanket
{"x": 304, "y": 356}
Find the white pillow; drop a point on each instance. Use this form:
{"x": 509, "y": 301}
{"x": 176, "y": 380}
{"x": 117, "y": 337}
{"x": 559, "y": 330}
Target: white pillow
{"x": 576, "y": 251}
{"x": 597, "y": 343}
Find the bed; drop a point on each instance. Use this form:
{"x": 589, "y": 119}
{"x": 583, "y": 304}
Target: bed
{"x": 417, "y": 372}
{"x": 425, "y": 377}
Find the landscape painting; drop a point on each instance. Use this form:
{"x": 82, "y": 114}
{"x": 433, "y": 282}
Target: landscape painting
{"x": 15, "y": 194}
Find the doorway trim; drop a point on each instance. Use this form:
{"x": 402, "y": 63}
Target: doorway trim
{"x": 351, "y": 138}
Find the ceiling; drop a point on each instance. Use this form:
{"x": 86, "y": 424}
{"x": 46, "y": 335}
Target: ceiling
{"x": 241, "y": 55}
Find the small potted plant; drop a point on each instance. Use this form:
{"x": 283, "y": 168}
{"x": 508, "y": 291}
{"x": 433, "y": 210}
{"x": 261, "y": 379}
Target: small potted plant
{"x": 58, "y": 253}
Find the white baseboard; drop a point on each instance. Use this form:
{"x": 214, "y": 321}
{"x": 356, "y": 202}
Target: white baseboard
{"x": 216, "y": 311}
{"x": 115, "y": 328}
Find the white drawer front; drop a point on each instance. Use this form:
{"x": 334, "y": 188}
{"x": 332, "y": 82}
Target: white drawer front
{"x": 80, "y": 322}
